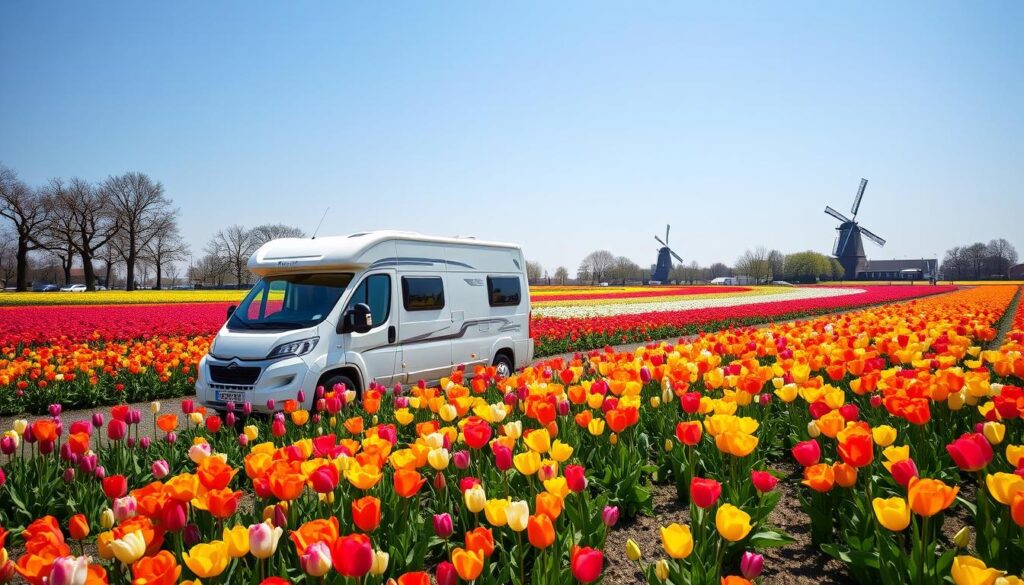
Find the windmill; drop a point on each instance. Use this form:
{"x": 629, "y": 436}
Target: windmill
{"x": 665, "y": 255}
{"x": 849, "y": 247}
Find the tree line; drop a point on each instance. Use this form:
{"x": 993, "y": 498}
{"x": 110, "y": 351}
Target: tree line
{"x": 125, "y": 220}
{"x": 979, "y": 261}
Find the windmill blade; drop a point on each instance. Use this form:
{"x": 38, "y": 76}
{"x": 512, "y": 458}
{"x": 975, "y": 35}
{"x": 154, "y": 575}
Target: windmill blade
{"x": 837, "y": 215}
{"x": 660, "y": 242}
{"x": 676, "y": 256}
{"x": 860, "y": 195}
{"x": 871, "y": 236}
{"x": 667, "y": 227}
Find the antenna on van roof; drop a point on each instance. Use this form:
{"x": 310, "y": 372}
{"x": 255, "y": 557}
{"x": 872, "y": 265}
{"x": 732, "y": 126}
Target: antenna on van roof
{"x": 319, "y": 224}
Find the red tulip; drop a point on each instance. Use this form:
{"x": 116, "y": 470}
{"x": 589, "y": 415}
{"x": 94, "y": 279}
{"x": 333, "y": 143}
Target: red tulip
{"x": 903, "y": 471}
{"x": 576, "y": 478}
{"x": 690, "y": 402}
{"x": 446, "y": 574}
{"x": 115, "y": 486}
{"x": 213, "y": 423}
{"x": 324, "y": 479}
{"x": 971, "y": 452}
{"x": 117, "y": 429}
{"x": 705, "y": 492}
{"x": 587, "y": 564}
{"x": 477, "y": 432}
{"x": 352, "y": 555}
{"x": 807, "y": 453}
{"x": 763, "y": 481}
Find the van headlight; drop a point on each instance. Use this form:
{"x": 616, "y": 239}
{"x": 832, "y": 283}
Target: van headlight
{"x": 300, "y": 347}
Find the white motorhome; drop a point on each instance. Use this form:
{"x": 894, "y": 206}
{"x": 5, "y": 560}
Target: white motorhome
{"x": 385, "y": 306}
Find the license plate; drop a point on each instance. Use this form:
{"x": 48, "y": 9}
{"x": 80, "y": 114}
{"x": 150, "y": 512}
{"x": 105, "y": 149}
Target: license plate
{"x": 230, "y": 396}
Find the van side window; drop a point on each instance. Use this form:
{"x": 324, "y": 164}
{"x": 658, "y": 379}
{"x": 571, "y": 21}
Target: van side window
{"x": 422, "y": 293}
{"x": 503, "y": 291}
{"x": 375, "y": 291}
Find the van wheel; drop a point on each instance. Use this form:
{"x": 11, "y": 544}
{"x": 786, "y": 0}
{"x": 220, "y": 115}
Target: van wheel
{"x": 335, "y": 379}
{"x": 503, "y": 365}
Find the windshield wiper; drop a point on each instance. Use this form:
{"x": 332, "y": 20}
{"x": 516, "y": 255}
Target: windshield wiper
{"x": 277, "y": 325}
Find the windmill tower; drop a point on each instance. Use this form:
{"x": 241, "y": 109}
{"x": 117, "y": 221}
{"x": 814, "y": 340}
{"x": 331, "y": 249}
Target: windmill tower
{"x": 665, "y": 255}
{"x": 849, "y": 247}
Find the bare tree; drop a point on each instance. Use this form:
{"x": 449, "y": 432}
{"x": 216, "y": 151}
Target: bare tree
{"x": 142, "y": 211}
{"x": 262, "y": 234}
{"x": 110, "y": 258}
{"x": 210, "y": 269}
{"x": 596, "y": 265}
{"x": 561, "y": 274}
{"x": 1002, "y": 255}
{"x": 534, "y": 271}
{"x": 8, "y": 259}
{"x": 233, "y": 246}
{"x": 754, "y": 263}
{"x": 92, "y": 220}
{"x": 718, "y": 269}
{"x": 776, "y": 264}
{"x": 25, "y": 208}
{"x": 165, "y": 249}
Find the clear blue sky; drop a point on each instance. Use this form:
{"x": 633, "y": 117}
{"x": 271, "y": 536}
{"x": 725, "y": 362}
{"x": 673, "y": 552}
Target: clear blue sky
{"x": 566, "y": 127}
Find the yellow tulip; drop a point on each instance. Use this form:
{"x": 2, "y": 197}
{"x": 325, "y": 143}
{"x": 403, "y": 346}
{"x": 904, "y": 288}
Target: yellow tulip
{"x": 994, "y": 432}
{"x": 403, "y": 416}
{"x": 1004, "y": 486}
{"x": 494, "y": 510}
{"x": 787, "y": 393}
{"x": 251, "y": 432}
{"x": 538, "y": 440}
{"x": 892, "y": 513}
{"x": 438, "y": 458}
{"x": 632, "y": 550}
{"x": 1014, "y": 453}
{"x": 883, "y": 435}
{"x": 661, "y": 570}
{"x": 596, "y": 427}
{"x": 676, "y": 540}
{"x": 527, "y": 463}
{"x": 380, "y": 562}
{"x": 732, "y": 523}
{"x": 560, "y": 451}
{"x": 208, "y": 559}
{"x": 968, "y": 570}
{"x": 513, "y": 429}
{"x": 237, "y": 540}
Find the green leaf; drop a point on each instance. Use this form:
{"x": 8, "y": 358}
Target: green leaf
{"x": 770, "y": 539}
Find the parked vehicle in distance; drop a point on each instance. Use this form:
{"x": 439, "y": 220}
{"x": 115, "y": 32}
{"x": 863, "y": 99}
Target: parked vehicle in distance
{"x": 385, "y": 306}
{"x": 44, "y": 287}
{"x": 73, "y": 288}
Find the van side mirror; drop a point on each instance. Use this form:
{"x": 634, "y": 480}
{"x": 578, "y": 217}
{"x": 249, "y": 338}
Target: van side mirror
{"x": 358, "y": 319}
{"x": 231, "y": 310}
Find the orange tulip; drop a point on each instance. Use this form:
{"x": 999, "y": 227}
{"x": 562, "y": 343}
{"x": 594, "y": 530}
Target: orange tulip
{"x": 540, "y": 530}
{"x": 160, "y": 569}
{"x": 928, "y": 497}
{"x": 366, "y": 513}
{"x": 820, "y": 477}
{"x": 408, "y": 482}
{"x": 45, "y": 430}
{"x": 320, "y": 530}
{"x": 468, "y": 564}
{"x": 78, "y": 527}
{"x": 354, "y": 425}
{"x": 480, "y": 540}
{"x": 285, "y": 484}
{"x": 845, "y": 474}
{"x": 549, "y": 504}
{"x": 222, "y": 503}
{"x": 167, "y": 422}
{"x": 214, "y": 474}
{"x": 182, "y": 487}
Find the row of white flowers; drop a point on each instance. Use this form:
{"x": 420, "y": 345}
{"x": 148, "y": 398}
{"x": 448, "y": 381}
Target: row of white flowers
{"x": 612, "y": 309}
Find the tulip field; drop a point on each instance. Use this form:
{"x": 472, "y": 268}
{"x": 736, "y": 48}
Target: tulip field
{"x": 896, "y": 430}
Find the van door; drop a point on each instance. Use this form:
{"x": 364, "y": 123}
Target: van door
{"x": 426, "y": 328}
{"x": 378, "y": 347}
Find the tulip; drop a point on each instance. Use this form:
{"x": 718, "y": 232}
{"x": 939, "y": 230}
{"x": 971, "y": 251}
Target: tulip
{"x": 366, "y": 513}
{"x": 676, "y": 540}
{"x": 116, "y": 430}
{"x": 610, "y": 516}
{"x": 751, "y": 565}
{"x": 968, "y": 570}
{"x": 763, "y": 481}
{"x": 380, "y": 562}
{"x": 704, "y": 492}
{"x": 69, "y": 570}
{"x": 892, "y": 513}
{"x": 324, "y": 479}
{"x": 438, "y": 458}
{"x": 175, "y": 515}
{"x": 191, "y": 535}
{"x": 661, "y": 570}
{"x": 115, "y": 486}
{"x": 970, "y": 452}
{"x": 237, "y": 541}
{"x": 78, "y": 527}
{"x": 928, "y": 497}
{"x": 468, "y": 564}
{"x": 124, "y": 508}
{"x": 587, "y": 563}
{"x": 446, "y": 574}
{"x": 517, "y": 515}
{"x": 352, "y": 555}
{"x": 994, "y": 432}
{"x": 1004, "y": 486}
{"x": 69, "y": 476}
{"x": 732, "y": 523}
{"x": 263, "y": 539}
{"x": 97, "y": 420}
{"x": 198, "y": 452}
{"x": 576, "y": 478}
{"x": 207, "y": 559}
{"x": 316, "y": 560}
{"x": 130, "y": 547}
{"x": 475, "y": 498}
{"x": 807, "y": 453}
{"x": 540, "y": 530}
{"x": 632, "y": 550}
{"x": 160, "y": 568}
{"x": 962, "y": 538}
{"x": 903, "y": 471}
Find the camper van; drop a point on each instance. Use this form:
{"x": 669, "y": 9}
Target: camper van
{"x": 385, "y": 306}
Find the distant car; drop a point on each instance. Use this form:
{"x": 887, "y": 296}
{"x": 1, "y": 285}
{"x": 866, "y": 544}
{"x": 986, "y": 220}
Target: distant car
{"x": 45, "y": 287}
{"x": 100, "y": 287}
{"x": 74, "y": 288}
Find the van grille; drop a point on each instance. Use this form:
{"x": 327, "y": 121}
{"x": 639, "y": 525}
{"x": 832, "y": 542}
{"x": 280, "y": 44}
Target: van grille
{"x": 234, "y": 374}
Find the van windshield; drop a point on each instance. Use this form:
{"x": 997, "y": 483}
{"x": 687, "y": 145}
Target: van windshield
{"x": 291, "y": 301}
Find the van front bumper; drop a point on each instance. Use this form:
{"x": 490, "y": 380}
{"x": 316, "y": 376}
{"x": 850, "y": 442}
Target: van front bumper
{"x": 219, "y": 382}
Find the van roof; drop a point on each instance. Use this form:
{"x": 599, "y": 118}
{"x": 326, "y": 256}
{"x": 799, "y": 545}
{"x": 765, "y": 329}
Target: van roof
{"x": 290, "y": 253}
